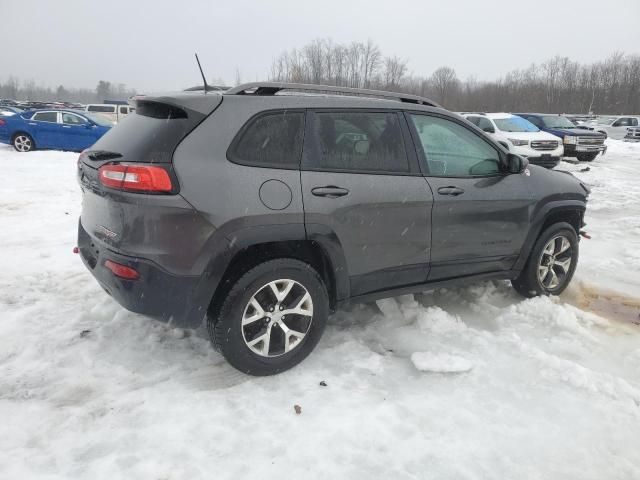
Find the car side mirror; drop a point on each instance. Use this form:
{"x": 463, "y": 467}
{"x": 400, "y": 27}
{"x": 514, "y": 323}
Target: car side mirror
{"x": 489, "y": 130}
{"x": 89, "y": 125}
{"x": 516, "y": 163}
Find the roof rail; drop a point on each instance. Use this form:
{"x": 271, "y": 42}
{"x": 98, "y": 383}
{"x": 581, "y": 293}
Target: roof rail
{"x": 271, "y": 88}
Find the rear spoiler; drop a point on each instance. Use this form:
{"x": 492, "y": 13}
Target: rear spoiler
{"x": 189, "y": 102}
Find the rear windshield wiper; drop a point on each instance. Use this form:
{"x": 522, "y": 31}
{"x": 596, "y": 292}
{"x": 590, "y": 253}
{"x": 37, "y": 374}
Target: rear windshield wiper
{"x": 103, "y": 155}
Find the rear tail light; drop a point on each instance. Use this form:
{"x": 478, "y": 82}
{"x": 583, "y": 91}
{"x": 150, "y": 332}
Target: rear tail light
{"x": 2, "y": 123}
{"x": 122, "y": 271}
{"x": 145, "y": 178}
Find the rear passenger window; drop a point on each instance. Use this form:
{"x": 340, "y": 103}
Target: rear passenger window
{"x": 271, "y": 140}
{"x": 46, "y": 117}
{"x": 358, "y": 142}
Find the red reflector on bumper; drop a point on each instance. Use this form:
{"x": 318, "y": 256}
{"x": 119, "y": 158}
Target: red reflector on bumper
{"x": 122, "y": 271}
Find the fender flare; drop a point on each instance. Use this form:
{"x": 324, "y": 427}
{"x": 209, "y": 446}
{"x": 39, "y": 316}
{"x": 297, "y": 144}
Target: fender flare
{"x": 222, "y": 253}
{"x": 537, "y": 223}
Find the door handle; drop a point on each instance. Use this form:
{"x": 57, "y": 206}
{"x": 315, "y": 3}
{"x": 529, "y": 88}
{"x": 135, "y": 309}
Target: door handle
{"x": 330, "y": 191}
{"x": 66, "y": 126}
{"x": 454, "y": 191}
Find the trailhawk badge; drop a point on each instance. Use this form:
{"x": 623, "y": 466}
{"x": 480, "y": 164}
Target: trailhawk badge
{"x": 110, "y": 234}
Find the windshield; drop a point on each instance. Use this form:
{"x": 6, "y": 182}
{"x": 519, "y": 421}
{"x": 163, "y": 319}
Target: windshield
{"x": 557, "y": 121}
{"x": 515, "y": 124}
{"x": 99, "y": 119}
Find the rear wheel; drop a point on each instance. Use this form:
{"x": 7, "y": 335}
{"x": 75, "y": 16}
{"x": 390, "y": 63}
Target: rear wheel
{"x": 272, "y": 318}
{"x": 552, "y": 262}
{"x": 587, "y": 157}
{"x": 23, "y": 142}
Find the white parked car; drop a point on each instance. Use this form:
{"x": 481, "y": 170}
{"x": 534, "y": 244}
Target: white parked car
{"x": 113, "y": 112}
{"x": 615, "y": 126}
{"x": 520, "y": 137}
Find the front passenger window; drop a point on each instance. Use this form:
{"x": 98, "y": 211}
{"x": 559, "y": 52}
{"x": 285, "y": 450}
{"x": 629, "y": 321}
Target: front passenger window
{"x": 452, "y": 150}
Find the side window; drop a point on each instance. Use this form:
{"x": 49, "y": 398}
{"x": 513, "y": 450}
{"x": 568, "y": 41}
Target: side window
{"x": 474, "y": 120}
{"x": 270, "y": 140}
{"x": 634, "y": 122}
{"x": 46, "y": 117}
{"x": 622, "y": 122}
{"x": 71, "y": 119}
{"x": 536, "y": 121}
{"x": 358, "y": 141}
{"x": 102, "y": 108}
{"x": 452, "y": 150}
{"x": 124, "y": 110}
{"x": 486, "y": 125}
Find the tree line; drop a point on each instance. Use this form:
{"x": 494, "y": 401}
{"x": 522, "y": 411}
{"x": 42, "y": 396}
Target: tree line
{"x": 558, "y": 85}
{"x": 14, "y": 89}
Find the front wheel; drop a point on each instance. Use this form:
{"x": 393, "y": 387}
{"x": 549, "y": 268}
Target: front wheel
{"x": 272, "y": 318}
{"x": 552, "y": 262}
{"x": 587, "y": 157}
{"x": 23, "y": 142}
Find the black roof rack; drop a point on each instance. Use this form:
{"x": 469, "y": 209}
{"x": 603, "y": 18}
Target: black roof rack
{"x": 271, "y": 88}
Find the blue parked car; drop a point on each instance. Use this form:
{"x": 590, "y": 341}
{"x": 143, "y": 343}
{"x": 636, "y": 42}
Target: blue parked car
{"x": 53, "y": 129}
{"x": 578, "y": 142}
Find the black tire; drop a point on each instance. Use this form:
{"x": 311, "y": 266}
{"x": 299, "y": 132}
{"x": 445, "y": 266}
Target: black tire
{"x": 23, "y": 142}
{"x": 528, "y": 282}
{"x": 587, "y": 157}
{"x": 228, "y": 334}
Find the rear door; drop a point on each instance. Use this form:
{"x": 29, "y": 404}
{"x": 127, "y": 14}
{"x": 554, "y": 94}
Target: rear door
{"x": 480, "y": 214}
{"x": 361, "y": 185}
{"x": 46, "y": 129}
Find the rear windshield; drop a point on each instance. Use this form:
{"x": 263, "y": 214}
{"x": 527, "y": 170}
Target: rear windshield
{"x": 150, "y": 137}
{"x": 515, "y": 124}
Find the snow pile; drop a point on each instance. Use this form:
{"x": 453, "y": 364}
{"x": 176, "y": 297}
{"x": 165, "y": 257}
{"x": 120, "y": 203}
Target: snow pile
{"x": 88, "y": 390}
{"x": 440, "y": 363}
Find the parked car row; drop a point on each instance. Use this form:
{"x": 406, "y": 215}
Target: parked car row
{"x": 542, "y": 138}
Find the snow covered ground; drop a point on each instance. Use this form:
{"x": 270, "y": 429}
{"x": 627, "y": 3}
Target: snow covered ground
{"x": 471, "y": 383}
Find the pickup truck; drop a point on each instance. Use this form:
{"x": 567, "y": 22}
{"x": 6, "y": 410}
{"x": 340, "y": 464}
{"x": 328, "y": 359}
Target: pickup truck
{"x": 583, "y": 143}
{"x": 615, "y": 126}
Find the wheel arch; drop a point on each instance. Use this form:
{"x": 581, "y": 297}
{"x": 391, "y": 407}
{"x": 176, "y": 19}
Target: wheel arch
{"x": 24, "y": 132}
{"x": 320, "y": 252}
{"x": 556, "y": 212}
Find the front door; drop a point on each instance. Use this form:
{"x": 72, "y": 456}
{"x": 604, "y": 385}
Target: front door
{"x": 480, "y": 214}
{"x": 77, "y": 132}
{"x": 361, "y": 184}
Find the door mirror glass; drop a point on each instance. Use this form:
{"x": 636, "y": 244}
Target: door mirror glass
{"x": 488, "y": 129}
{"x": 516, "y": 163}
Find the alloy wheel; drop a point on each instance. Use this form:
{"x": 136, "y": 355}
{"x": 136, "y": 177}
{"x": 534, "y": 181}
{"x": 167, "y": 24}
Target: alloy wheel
{"x": 22, "y": 143}
{"x": 277, "y": 318}
{"x": 555, "y": 262}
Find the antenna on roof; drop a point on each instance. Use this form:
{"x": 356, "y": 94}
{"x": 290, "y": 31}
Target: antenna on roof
{"x": 204, "y": 80}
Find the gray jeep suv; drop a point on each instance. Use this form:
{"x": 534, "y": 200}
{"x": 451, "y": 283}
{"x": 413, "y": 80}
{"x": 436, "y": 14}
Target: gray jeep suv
{"x": 261, "y": 210}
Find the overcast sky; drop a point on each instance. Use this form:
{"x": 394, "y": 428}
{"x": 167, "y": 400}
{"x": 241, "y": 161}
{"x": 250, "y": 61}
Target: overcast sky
{"x": 149, "y": 45}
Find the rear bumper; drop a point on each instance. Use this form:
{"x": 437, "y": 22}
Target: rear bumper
{"x": 156, "y": 293}
{"x": 546, "y": 161}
